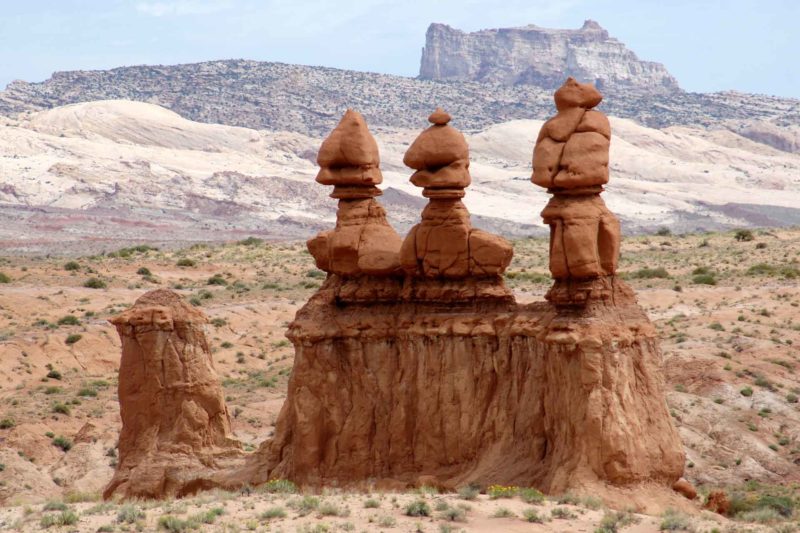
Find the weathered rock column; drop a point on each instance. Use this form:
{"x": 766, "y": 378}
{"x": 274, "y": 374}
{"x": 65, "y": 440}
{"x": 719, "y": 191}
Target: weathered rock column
{"x": 176, "y": 432}
{"x": 571, "y": 160}
{"x": 607, "y": 420}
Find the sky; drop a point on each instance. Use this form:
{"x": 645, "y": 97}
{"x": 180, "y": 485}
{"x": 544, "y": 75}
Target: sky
{"x": 708, "y": 45}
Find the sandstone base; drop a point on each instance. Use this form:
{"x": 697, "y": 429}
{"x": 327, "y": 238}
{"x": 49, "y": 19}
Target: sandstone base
{"x": 559, "y": 398}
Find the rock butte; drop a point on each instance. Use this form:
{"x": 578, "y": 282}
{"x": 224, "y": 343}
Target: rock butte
{"x": 413, "y": 362}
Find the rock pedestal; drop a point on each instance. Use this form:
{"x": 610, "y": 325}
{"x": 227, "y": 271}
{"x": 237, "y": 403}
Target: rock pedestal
{"x": 176, "y": 430}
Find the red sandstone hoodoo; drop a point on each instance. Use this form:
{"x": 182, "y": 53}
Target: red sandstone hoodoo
{"x": 413, "y": 363}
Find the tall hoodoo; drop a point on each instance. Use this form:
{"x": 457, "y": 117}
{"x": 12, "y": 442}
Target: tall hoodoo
{"x": 571, "y": 160}
{"x": 445, "y": 245}
{"x": 176, "y": 431}
{"x": 363, "y": 242}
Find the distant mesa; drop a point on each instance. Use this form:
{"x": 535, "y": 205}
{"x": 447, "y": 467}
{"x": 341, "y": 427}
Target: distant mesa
{"x": 538, "y": 56}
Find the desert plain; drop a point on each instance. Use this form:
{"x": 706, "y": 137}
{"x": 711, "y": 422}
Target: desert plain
{"x": 726, "y": 306}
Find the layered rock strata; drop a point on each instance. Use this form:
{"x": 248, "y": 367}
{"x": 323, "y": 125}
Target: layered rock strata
{"x": 570, "y": 159}
{"x": 176, "y": 432}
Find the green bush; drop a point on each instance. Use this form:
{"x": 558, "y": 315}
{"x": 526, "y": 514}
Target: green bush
{"x": 54, "y": 374}
{"x": 532, "y": 515}
{"x": 129, "y": 514}
{"x": 94, "y": 283}
{"x": 186, "y": 262}
{"x": 72, "y": 339}
{"x": 743, "y": 235}
{"x": 69, "y": 320}
{"x": 87, "y": 392}
{"x": 372, "y": 503}
{"x": 7, "y": 423}
{"x": 64, "y": 518}
{"x": 61, "y": 408}
{"x": 4, "y": 278}
{"x": 650, "y": 273}
{"x": 251, "y": 241}
{"x": 468, "y": 492}
{"x": 62, "y": 442}
{"x": 173, "y": 523}
{"x": 144, "y": 271}
{"x": 417, "y": 508}
{"x": 704, "y": 279}
{"x": 746, "y": 391}
{"x": 531, "y": 495}
{"x": 72, "y": 266}
{"x": 273, "y": 512}
{"x": 216, "y": 279}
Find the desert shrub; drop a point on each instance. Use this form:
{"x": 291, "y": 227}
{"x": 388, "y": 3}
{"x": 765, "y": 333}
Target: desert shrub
{"x": 144, "y": 271}
{"x": 743, "y": 235}
{"x": 218, "y": 322}
{"x": 94, "y": 283}
{"x": 468, "y": 492}
{"x": 54, "y": 505}
{"x": 764, "y": 515}
{"x": 503, "y": 512}
{"x": 216, "y": 279}
{"x": 716, "y": 326}
{"x": 251, "y": 241}
{"x": 386, "y": 521}
{"x": 63, "y": 443}
{"x": 64, "y": 518}
{"x": 532, "y": 515}
{"x": 704, "y": 279}
{"x": 186, "y": 262}
{"x": 129, "y": 514}
{"x": 173, "y": 523}
{"x": 746, "y": 392}
{"x": 330, "y": 509}
{"x": 531, "y": 495}
{"x": 272, "y": 513}
{"x": 613, "y": 521}
{"x": 761, "y": 269}
{"x": 501, "y": 491}
{"x": 208, "y": 517}
{"x": 60, "y": 408}
{"x": 73, "y": 338}
{"x": 791, "y": 398}
{"x": 226, "y": 345}
{"x": 315, "y": 273}
{"x": 562, "y": 513}
{"x": 305, "y": 505}
{"x": 4, "y": 278}
{"x": 663, "y": 232}
{"x": 69, "y": 320}
{"x": 87, "y": 392}
{"x": 372, "y": 503}
{"x": 649, "y": 273}
{"x": 673, "y": 520}
{"x": 7, "y": 423}
{"x": 72, "y": 266}
{"x": 417, "y": 508}
{"x": 453, "y": 514}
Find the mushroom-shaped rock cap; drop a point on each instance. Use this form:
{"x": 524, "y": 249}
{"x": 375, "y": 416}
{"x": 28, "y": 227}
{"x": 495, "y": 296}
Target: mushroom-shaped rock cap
{"x": 349, "y": 156}
{"x": 437, "y": 146}
{"x": 574, "y": 94}
{"x": 160, "y": 307}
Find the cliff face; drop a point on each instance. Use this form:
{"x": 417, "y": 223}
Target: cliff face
{"x": 538, "y": 56}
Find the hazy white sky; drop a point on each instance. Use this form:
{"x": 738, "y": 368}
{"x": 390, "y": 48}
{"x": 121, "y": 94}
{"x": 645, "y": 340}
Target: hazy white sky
{"x": 707, "y": 45}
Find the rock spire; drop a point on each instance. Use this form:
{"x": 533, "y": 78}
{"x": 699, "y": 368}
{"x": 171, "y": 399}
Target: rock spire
{"x": 570, "y": 159}
{"x": 444, "y": 244}
{"x": 363, "y": 242}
